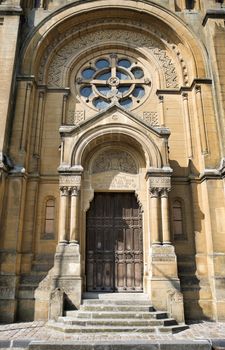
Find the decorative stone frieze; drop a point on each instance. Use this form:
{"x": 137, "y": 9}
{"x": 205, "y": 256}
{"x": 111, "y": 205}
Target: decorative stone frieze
{"x": 160, "y": 182}
{"x": 69, "y": 180}
{"x": 115, "y": 182}
{"x": 152, "y": 42}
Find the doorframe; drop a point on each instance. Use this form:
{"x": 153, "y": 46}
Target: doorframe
{"x": 142, "y": 232}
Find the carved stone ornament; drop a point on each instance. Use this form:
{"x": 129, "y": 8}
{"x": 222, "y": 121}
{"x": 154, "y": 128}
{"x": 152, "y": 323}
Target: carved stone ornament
{"x": 114, "y": 160}
{"x": 64, "y": 191}
{"x": 75, "y": 118}
{"x": 164, "y": 192}
{"x": 154, "y": 192}
{"x": 69, "y": 180}
{"x": 84, "y": 40}
{"x": 175, "y": 295}
{"x": 117, "y": 182}
{"x": 75, "y": 191}
{"x": 151, "y": 118}
{"x": 160, "y": 182}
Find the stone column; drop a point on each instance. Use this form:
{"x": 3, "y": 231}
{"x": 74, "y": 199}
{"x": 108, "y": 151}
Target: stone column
{"x": 64, "y": 191}
{"x": 161, "y": 110}
{"x": 187, "y": 124}
{"x": 74, "y": 215}
{"x": 154, "y": 207}
{"x": 165, "y": 216}
{"x": 201, "y": 118}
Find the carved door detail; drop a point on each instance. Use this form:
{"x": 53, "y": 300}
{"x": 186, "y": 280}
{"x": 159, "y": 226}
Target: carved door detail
{"x": 114, "y": 243}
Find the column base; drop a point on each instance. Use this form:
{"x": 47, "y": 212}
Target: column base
{"x": 166, "y": 243}
{"x": 63, "y": 242}
{"x": 73, "y": 242}
{"x": 63, "y": 284}
{"x": 156, "y": 243}
{"x": 164, "y": 282}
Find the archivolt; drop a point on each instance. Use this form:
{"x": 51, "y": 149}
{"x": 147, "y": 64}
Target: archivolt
{"x": 147, "y": 146}
{"x": 177, "y": 40}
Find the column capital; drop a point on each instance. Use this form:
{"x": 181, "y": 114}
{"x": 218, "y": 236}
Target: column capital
{"x": 197, "y": 89}
{"x": 185, "y": 96}
{"x": 164, "y": 192}
{"x": 64, "y": 191}
{"x": 75, "y": 191}
{"x": 154, "y": 192}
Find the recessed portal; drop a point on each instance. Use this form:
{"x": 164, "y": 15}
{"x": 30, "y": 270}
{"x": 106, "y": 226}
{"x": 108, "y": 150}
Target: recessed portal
{"x": 114, "y": 257}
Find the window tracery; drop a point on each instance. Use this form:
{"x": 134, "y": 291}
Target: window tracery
{"x": 113, "y": 79}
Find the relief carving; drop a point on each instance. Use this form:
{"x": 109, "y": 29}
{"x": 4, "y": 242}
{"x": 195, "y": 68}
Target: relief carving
{"x": 151, "y": 41}
{"x": 114, "y": 160}
{"x": 160, "y": 182}
{"x": 118, "y": 182}
{"x": 67, "y": 180}
{"x": 75, "y": 118}
{"x": 79, "y": 117}
{"x": 151, "y": 118}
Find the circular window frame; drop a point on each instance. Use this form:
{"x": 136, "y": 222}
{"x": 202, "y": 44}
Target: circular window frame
{"x": 112, "y": 82}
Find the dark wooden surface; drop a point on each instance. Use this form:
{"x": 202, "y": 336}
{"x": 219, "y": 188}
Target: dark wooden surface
{"x": 114, "y": 243}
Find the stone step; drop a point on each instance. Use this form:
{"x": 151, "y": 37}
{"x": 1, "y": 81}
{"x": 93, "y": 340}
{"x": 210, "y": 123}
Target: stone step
{"x": 114, "y": 329}
{"x": 115, "y": 296}
{"x": 117, "y": 308}
{"x": 116, "y": 302}
{"x": 122, "y": 315}
{"x": 117, "y": 322}
{"x": 128, "y": 344}
{"x": 105, "y": 329}
{"x": 116, "y": 313}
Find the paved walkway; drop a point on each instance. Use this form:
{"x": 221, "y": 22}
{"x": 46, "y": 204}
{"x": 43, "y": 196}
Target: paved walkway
{"x": 39, "y": 331}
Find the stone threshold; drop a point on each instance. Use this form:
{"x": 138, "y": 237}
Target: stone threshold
{"x": 214, "y": 344}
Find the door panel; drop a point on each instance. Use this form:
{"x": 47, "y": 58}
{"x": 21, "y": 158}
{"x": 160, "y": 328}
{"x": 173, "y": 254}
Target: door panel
{"x": 114, "y": 243}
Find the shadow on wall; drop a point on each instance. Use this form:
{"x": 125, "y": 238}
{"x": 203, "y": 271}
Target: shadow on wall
{"x": 192, "y": 286}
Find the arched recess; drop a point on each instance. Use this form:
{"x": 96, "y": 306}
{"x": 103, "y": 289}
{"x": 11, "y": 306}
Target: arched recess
{"x": 114, "y": 161}
{"x": 145, "y": 144}
{"x": 179, "y": 41}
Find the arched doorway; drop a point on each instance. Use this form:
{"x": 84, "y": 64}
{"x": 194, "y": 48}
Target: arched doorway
{"x": 114, "y": 252}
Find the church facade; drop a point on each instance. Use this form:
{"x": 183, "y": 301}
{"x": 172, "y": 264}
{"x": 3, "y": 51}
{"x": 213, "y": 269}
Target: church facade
{"x": 112, "y": 155}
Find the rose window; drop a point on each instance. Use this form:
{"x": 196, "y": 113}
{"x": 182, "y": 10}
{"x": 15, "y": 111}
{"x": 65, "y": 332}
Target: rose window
{"x": 113, "y": 79}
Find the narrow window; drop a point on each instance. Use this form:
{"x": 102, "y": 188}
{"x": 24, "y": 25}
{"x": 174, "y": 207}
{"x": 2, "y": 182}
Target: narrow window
{"x": 49, "y": 225}
{"x": 190, "y": 4}
{"x": 178, "y": 221}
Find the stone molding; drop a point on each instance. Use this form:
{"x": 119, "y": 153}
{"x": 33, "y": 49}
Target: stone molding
{"x": 70, "y": 180}
{"x": 161, "y": 183}
{"x": 152, "y": 41}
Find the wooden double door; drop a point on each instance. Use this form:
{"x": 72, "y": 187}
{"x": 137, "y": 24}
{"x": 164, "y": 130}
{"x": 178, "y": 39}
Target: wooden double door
{"x": 114, "y": 250}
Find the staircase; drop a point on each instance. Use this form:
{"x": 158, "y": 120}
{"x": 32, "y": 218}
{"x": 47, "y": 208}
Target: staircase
{"x": 116, "y": 313}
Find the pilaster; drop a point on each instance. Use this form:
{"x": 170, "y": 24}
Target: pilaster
{"x": 64, "y": 282}
{"x": 164, "y": 282}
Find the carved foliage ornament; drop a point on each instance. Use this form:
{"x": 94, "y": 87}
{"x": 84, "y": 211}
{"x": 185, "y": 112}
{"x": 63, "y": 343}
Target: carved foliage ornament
{"x": 114, "y": 160}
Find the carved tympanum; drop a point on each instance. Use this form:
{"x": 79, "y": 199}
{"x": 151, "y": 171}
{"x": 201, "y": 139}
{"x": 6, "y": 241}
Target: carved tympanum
{"x": 114, "y": 160}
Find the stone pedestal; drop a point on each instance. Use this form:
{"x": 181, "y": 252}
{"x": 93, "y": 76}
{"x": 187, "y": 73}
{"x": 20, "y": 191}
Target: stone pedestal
{"x": 165, "y": 284}
{"x": 62, "y": 282}
{"x": 67, "y": 274}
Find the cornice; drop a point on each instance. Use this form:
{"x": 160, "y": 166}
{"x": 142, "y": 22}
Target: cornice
{"x": 213, "y": 14}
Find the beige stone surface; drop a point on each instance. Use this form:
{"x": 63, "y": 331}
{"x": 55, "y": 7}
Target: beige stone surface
{"x": 56, "y": 145}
